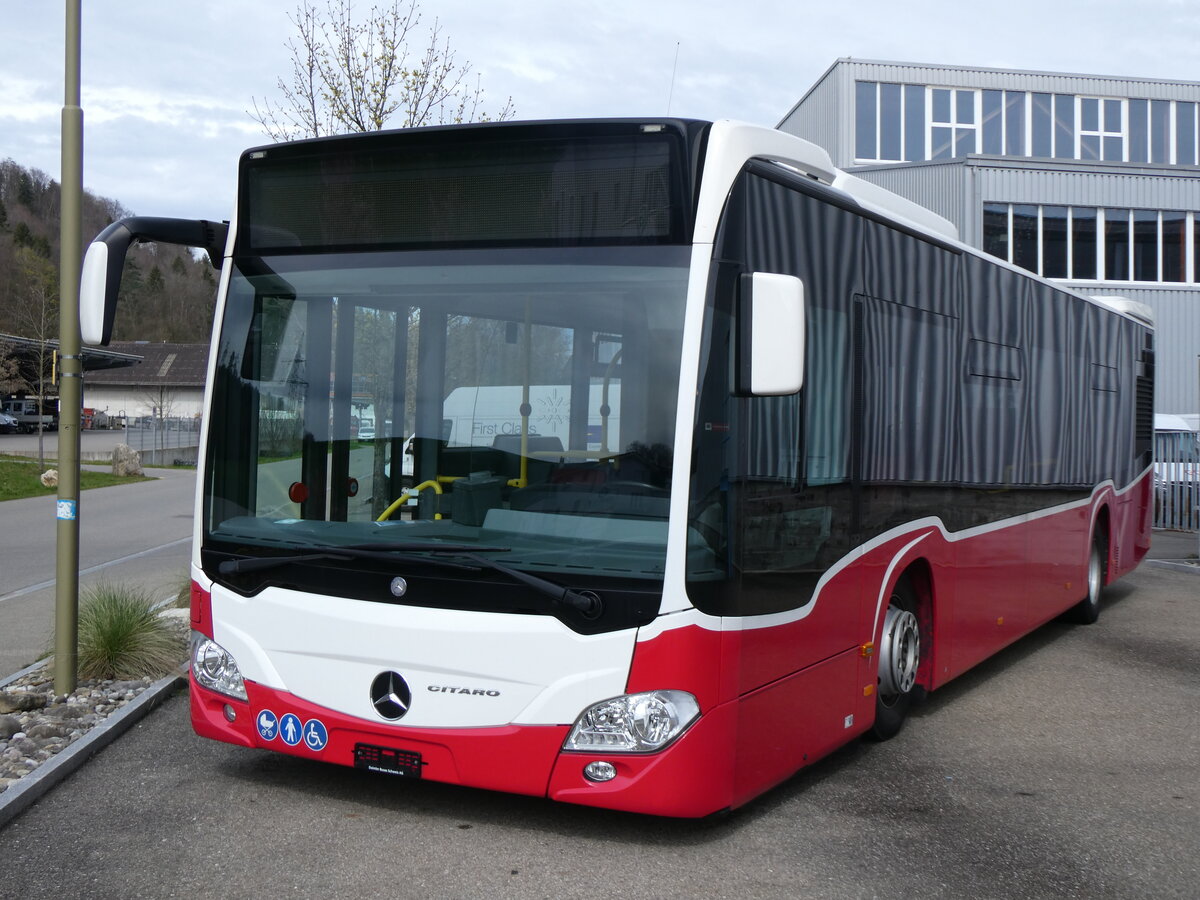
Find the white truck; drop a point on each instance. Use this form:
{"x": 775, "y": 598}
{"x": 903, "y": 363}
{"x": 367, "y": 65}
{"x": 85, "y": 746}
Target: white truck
{"x": 476, "y": 416}
{"x": 30, "y": 412}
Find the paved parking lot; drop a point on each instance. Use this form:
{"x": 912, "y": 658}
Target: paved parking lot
{"x": 1067, "y": 766}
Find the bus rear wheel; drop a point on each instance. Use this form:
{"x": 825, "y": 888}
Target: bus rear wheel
{"x": 899, "y": 659}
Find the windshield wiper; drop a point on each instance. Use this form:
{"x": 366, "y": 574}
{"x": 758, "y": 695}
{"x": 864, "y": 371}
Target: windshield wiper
{"x": 342, "y": 554}
{"x": 586, "y": 603}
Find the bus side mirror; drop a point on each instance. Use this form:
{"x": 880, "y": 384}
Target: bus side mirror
{"x": 100, "y": 280}
{"x": 771, "y": 328}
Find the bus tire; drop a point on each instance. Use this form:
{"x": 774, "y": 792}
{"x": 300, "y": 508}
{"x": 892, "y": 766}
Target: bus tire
{"x": 899, "y": 659}
{"x": 1087, "y": 610}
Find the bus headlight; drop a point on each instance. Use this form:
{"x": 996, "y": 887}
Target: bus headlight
{"x": 215, "y": 669}
{"x": 634, "y": 723}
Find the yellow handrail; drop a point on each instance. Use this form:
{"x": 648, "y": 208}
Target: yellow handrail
{"x": 411, "y": 492}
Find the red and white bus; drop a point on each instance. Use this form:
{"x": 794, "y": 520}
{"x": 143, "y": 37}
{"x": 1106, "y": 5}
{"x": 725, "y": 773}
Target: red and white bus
{"x": 806, "y": 457}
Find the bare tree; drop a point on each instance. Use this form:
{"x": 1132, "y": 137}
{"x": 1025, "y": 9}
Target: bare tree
{"x": 161, "y": 400}
{"x": 10, "y": 370}
{"x": 354, "y": 76}
{"x": 37, "y": 318}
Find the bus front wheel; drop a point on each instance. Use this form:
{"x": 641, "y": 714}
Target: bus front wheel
{"x": 1087, "y": 610}
{"x": 899, "y": 659}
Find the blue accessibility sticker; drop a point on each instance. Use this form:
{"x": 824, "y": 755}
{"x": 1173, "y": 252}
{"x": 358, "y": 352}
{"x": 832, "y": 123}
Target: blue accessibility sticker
{"x": 289, "y": 729}
{"x": 268, "y": 725}
{"x": 315, "y": 735}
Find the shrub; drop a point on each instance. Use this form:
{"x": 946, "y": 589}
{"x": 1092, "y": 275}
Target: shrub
{"x": 121, "y": 635}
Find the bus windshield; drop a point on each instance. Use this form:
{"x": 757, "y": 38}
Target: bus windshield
{"x": 521, "y": 399}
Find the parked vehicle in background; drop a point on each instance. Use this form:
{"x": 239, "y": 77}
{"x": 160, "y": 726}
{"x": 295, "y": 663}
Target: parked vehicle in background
{"x": 30, "y": 411}
{"x": 8, "y": 424}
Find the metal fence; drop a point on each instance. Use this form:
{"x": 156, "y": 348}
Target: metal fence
{"x": 1177, "y": 480}
{"x": 164, "y": 441}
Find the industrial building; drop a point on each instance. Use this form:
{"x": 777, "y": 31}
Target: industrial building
{"x": 1089, "y": 180}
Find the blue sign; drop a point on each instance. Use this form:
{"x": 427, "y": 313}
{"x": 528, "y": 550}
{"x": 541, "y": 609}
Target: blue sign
{"x": 315, "y": 735}
{"x": 290, "y": 730}
{"x": 66, "y": 510}
{"x": 268, "y": 725}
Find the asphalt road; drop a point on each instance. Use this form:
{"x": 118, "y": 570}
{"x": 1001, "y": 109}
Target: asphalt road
{"x": 1066, "y": 767}
{"x": 137, "y": 534}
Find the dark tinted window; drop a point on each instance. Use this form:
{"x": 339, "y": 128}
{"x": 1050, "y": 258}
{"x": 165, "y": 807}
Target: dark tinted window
{"x": 1054, "y": 241}
{"x": 556, "y": 186}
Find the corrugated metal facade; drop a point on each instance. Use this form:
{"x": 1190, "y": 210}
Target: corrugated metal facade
{"x": 958, "y": 188}
{"x": 819, "y": 118}
{"x": 941, "y": 187}
{"x": 1008, "y": 79}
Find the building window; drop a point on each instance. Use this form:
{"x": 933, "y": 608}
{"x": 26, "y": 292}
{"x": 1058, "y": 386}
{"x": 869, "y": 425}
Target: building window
{"x": 1116, "y": 246}
{"x": 1014, "y": 123}
{"x": 1160, "y": 131}
{"x": 1025, "y": 236}
{"x": 866, "y": 118}
{"x": 909, "y": 122}
{"x": 1040, "y": 128}
{"x": 1064, "y": 126}
{"x": 889, "y": 121}
{"x": 1174, "y": 246}
{"x": 1101, "y": 129}
{"x": 1195, "y": 251}
{"x": 993, "y": 122}
{"x": 1145, "y": 245}
{"x": 995, "y": 230}
{"x": 914, "y": 122}
{"x": 1054, "y": 241}
{"x": 953, "y": 123}
{"x": 1083, "y": 243}
{"x": 1139, "y": 131}
{"x": 1185, "y": 134}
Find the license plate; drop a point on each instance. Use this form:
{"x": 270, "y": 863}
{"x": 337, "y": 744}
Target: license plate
{"x": 388, "y": 760}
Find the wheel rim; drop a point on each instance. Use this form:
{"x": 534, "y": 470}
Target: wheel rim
{"x": 900, "y": 653}
{"x": 1095, "y": 576}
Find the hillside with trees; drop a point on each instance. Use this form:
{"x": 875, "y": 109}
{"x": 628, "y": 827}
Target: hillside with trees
{"x": 166, "y": 293}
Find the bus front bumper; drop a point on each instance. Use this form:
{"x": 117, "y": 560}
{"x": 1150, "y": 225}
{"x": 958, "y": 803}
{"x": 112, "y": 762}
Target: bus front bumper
{"x": 689, "y": 778}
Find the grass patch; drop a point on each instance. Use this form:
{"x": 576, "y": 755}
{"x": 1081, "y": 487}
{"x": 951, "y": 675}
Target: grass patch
{"x": 20, "y": 478}
{"x": 183, "y": 594}
{"x": 122, "y": 636}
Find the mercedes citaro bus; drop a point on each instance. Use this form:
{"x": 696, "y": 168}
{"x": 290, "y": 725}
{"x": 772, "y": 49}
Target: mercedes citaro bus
{"x": 808, "y": 456}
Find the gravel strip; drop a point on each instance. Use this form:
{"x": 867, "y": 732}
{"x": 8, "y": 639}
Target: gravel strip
{"x": 36, "y": 725}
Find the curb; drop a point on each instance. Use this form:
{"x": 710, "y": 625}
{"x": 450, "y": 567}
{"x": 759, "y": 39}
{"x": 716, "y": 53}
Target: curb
{"x": 1177, "y": 565}
{"x": 32, "y": 667}
{"x": 31, "y": 788}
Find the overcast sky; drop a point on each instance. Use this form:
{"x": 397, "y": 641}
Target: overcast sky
{"x": 166, "y": 85}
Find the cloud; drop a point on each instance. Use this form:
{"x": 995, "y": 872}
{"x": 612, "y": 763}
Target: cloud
{"x": 165, "y": 95}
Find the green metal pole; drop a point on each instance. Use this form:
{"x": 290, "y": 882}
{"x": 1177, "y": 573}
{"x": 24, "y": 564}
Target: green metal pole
{"x": 70, "y": 394}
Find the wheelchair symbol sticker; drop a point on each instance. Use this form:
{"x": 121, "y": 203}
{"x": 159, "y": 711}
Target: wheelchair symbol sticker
{"x": 289, "y": 729}
{"x": 268, "y": 725}
{"x": 315, "y": 735}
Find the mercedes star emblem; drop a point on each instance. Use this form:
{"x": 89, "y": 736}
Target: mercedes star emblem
{"x": 390, "y": 695}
